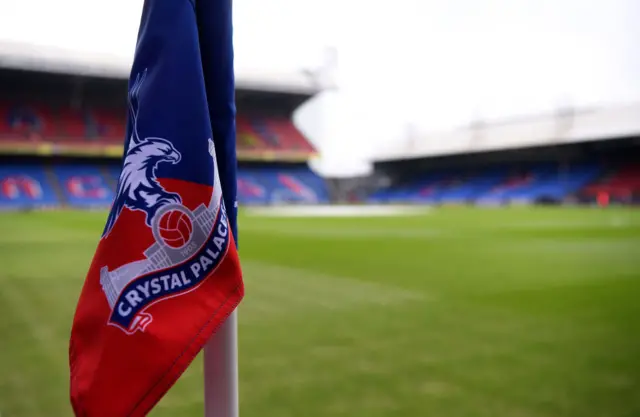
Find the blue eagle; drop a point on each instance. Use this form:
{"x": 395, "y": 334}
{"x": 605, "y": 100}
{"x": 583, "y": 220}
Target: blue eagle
{"x": 138, "y": 187}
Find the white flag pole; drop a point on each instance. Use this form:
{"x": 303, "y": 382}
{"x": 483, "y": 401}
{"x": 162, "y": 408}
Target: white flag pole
{"x": 221, "y": 371}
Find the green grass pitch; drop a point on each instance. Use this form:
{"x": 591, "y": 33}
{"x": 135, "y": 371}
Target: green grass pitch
{"x": 456, "y": 312}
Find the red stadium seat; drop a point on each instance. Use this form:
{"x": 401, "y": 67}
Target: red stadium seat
{"x": 63, "y": 124}
{"x": 72, "y": 125}
{"x": 622, "y": 183}
{"x": 289, "y": 136}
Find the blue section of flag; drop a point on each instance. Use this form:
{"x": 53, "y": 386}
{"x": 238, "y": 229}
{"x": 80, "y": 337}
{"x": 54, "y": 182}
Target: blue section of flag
{"x": 215, "y": 28}
{"x": 173, "y": 95}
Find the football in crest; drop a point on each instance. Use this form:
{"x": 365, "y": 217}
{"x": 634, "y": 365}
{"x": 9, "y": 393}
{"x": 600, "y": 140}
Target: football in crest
{"x": 175, "y": 228}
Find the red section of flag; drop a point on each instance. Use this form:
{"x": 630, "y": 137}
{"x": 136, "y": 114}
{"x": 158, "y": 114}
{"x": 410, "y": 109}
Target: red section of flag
{"x": 119, "y": 374}
{"x": 116, "y": 368}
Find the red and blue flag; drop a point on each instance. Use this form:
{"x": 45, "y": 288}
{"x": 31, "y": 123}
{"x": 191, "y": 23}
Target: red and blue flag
{"x": 166, "y": 273}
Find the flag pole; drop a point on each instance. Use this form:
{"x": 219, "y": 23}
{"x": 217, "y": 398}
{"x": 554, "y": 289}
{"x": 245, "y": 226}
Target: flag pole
{"x": 221, "y": 371}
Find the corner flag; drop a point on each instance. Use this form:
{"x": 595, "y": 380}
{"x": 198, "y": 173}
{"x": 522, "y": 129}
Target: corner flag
{"x": 165, "y": 274}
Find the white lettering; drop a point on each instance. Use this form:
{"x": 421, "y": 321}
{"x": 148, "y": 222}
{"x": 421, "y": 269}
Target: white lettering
{"x": 223, "y": 229}
{"x": 144, "y": 289}
{"x": 195, "y": 269}
{"x": 205, "y": 262}
{"x": 155, "y": 286}
{"x": 185, "y": 280}
{"x": 133, "y": 298}
{"x": 219, "y": 242}
{"x": 213, "y": 254}
{"x": 122, "y": 311}
{"x": 165, "y": 280}
{"x": 175, "y": 281}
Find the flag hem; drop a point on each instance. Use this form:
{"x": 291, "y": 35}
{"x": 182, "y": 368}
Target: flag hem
{"x": 182, "y": 362}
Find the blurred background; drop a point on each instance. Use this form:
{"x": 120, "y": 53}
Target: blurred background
{"x": 438, "y": 203}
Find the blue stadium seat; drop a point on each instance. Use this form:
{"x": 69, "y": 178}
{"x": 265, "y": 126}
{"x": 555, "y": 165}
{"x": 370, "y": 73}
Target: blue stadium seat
{"x": 556, "y": 185}
{"x": 250, "y": 191}
{"x": 84, "y": 186}
{"x": 492, "y": 186}
{"x": 281, "y": 185}
{"x": 25, "y": 187}
{"x": 475, "y": 186}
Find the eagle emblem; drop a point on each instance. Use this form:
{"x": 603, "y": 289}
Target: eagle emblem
{"x": 138, "y": 187}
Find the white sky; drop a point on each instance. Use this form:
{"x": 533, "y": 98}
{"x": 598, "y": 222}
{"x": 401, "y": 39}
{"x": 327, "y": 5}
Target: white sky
{"x": 435, "y": 63}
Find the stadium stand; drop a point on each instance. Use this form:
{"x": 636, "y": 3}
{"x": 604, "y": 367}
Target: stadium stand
{"x": 83, "y": 185}
{"x": 93, "y": 185}
{"x": 541, "y": 183}
{"x": 61, "y": 139}
{"x": 39, "y": 122}
{"x": 278, "y": 185}
{"x": 44, "y": 116}
{"x": 622, "y": 184}
{"x": 24, "y": 187}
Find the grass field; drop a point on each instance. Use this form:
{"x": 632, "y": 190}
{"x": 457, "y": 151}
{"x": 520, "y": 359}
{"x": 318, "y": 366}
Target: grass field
{"x": 452, "y": 313}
